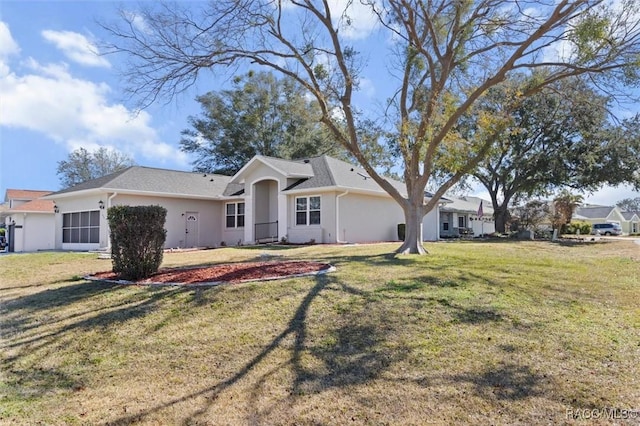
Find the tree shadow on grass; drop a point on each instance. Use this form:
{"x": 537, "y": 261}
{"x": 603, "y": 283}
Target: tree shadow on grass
{"x": 29, "y": 324}
{"x": 22, "y": 316}
{"x": 37, "y": 382}
{"x": 506, "y": 381}
{"x": 355, "y": 351}
{"x": 354, "y": 355}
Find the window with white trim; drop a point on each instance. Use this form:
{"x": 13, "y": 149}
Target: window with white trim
{"x": 308, "y": 210}
{"x": 235, "y": 215}
{"x": 461, "y": 222}
{"x": 81, "y": 227}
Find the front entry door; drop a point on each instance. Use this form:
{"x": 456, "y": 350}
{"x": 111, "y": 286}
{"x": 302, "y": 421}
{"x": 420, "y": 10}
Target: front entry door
{"x": 192, "y": 229}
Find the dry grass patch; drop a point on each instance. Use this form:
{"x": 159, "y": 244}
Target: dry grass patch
{"x": 474, "y": 333}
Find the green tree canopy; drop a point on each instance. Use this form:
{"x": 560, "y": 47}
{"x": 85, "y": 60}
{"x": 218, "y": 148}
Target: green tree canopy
{"x": 260, "y": 115}
{"x": 83, "y": 165}
{"x": 559, "y": 137}
{"x": 263, "y": 115}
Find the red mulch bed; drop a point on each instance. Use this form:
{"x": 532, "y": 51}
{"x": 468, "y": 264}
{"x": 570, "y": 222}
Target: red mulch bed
{"x": 232, "y": 273}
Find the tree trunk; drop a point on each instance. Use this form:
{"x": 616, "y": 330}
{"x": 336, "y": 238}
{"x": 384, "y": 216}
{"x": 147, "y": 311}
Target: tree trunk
{"x": 501, "y": 217}
{"x": 413, "y": 215}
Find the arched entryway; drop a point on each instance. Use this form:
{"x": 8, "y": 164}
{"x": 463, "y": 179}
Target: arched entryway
{"x": 265, "y": 210}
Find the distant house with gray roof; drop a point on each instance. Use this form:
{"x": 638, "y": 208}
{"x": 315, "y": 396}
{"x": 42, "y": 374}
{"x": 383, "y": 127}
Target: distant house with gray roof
{"x": 631, "y": 225}
{"x": 628, "y": 221}
{"x": 464, "y": 216}
{"x": 319, "y": 199}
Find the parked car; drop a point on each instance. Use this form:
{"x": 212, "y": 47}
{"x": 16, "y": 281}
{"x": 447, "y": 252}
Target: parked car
{"x": 3, "y": 242}
{"x": 606, "y": 229}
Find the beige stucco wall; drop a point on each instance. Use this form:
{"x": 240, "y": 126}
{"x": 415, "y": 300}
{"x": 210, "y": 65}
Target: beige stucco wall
{"x": 360, "y": 218}
{"x": 430, "y": 224}
{"x": 322, "y": 234}
{"x": 210, "y": 219}
{"x": 230, "y": 236}
{"x": 80, "y": 204}
{"x": 33, "y": 232}
{"x": 365, "y": 218}
{"x": 629, "y": 226}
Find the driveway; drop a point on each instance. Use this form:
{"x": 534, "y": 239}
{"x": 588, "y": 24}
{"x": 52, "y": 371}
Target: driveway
{"x": 635, "y": 239}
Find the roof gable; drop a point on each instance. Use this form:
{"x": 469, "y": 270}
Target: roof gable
{"x": 329, "y": 171}
{"x": 631, "y": 215}
{"x": 468, "y": 204}
{"x": 287, "y": 168}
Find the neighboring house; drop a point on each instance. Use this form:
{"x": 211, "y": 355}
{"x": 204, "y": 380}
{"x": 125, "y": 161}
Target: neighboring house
{"x": 321, "y": 200}
{"x": 29, "y": 220}
{"x": 603, "y": 214}
{"x": 461, "y": 217}
{"x": 631, "y": 225}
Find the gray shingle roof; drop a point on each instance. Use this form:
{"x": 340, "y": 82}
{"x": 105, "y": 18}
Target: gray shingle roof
{"x": 629, "y": 215}
{"x": 158, "y": 181}
{"x": 329, "y": 171}
{"x": 594, "y": 212}
{"x": 316, "y": 172}
{"x": 288, "y": 167}
{"x": 468, "y": 204}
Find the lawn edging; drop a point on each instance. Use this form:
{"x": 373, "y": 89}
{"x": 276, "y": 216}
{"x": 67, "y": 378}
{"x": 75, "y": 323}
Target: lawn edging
{"x": 331, "y": 268}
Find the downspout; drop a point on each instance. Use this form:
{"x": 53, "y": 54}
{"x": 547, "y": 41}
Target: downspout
{"x": 111, "y": 197}
{"x": 24, "y": 230}
{"x": 338, "y": 217}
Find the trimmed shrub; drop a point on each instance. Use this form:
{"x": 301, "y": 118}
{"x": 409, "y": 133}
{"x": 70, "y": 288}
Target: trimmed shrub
{"x": 573, "y": 227}
{"x": 137, "y": 240}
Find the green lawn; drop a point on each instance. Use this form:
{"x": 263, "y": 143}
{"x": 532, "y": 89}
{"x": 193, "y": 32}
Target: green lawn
{"x": 474, "y": 333}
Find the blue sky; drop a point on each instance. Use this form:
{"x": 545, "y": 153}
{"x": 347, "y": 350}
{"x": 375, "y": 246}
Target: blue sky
{"x": 57, "y": 95}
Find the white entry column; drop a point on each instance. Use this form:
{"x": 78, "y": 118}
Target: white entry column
{"x": 282, "y": 216}
{"x": 248, "y": 220}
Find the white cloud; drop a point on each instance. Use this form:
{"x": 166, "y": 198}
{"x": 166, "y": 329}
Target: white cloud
{"x": 137, "y": 21}
{"x": 367, "y": 87}
{"x": 609, "y": 196}
{"x": 76, "y": 47}
{"x": 76, "y": 112}
{"x": 356, "y": 20}
{"x": 8, "y": 47}
{"x": 559, "y": 51}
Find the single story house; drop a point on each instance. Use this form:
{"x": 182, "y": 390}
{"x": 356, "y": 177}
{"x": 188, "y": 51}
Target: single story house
{"x": 29, "y": 220}
{"x": 605, "y": 214}
{"x": 321, "y": 200}
{"x": 466, "y": 216}
{"x": 631, "y": 225}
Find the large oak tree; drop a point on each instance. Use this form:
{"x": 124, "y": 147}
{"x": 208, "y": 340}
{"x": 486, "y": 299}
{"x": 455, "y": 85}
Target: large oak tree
{"x": 263, "y": 115}
{"x": 443, "y": 58}
{"x": 559, "y": 137}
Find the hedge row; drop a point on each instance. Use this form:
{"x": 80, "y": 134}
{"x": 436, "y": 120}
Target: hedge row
{"x": 573, "y": 227}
